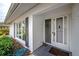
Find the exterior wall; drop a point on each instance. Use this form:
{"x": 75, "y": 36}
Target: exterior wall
{"x": 36, "y": 23}
{"x": 72, "y": 29}
{"x": 31, "y": 33}
{"x": 61, "y": 11}
{"x": 22, "y": 42}
{"x": 73, "y": 25}
{"x": 39, "y": 26}
{"x": 37, "y": 31}
{"x": 11, "y": 30}
{"x": 75, "y": 30}
{"x": 32, "y": 38}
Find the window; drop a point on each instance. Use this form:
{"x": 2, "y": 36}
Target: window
{"x": 20, "y": 30}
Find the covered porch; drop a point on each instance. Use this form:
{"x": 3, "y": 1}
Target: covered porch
{"x": 45, "y": 29}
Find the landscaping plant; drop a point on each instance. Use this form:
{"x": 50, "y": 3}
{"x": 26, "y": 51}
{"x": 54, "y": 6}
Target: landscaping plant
{"x": 6, "y": 44}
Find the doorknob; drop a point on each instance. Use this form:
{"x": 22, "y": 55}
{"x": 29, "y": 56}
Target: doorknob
{"x": 53, "y": 33}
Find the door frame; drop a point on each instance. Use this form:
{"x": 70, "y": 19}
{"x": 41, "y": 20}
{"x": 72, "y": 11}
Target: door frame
{"x": 68, "y": 41}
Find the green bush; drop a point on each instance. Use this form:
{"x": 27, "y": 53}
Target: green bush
{"x": 6, "y": 46}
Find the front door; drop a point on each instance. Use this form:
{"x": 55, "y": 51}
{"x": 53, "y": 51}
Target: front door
{"x": 59, "y": 32}
{"x": 48, "y": 31}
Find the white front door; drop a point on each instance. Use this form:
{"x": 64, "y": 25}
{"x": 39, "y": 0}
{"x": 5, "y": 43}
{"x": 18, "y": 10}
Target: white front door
{"x": 59, "y": 32}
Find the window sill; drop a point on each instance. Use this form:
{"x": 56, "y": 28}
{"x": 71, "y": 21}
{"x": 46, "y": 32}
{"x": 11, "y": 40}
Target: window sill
{"x": 22, "y": 42}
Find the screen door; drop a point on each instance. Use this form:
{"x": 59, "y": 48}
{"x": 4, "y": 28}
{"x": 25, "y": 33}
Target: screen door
{"x": 59, "y": 32}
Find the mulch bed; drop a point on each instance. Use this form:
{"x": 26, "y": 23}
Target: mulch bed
{"x": 17, "y": 47}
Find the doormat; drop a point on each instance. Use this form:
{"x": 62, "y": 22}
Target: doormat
{"x": 59, "y": 52}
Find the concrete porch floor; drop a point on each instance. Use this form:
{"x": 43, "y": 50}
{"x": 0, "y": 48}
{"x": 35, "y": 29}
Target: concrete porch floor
{"x": 42, "y": 51}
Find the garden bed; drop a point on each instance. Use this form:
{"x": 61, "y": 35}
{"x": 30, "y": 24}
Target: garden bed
{"x": 10, "y": 47}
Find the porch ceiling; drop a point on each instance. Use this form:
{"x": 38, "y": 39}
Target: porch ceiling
{"x": 53, "y": 6}
{"x": 17, "y": 9}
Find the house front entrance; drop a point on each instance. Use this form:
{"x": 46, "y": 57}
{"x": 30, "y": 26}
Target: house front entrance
{"x": 56, "y": 31}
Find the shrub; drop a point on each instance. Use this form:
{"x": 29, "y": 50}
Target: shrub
{"x": 6, "y": 46}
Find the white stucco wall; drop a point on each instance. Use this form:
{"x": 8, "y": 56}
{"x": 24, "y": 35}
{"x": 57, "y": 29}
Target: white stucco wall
{"x": 75, "y": 30}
